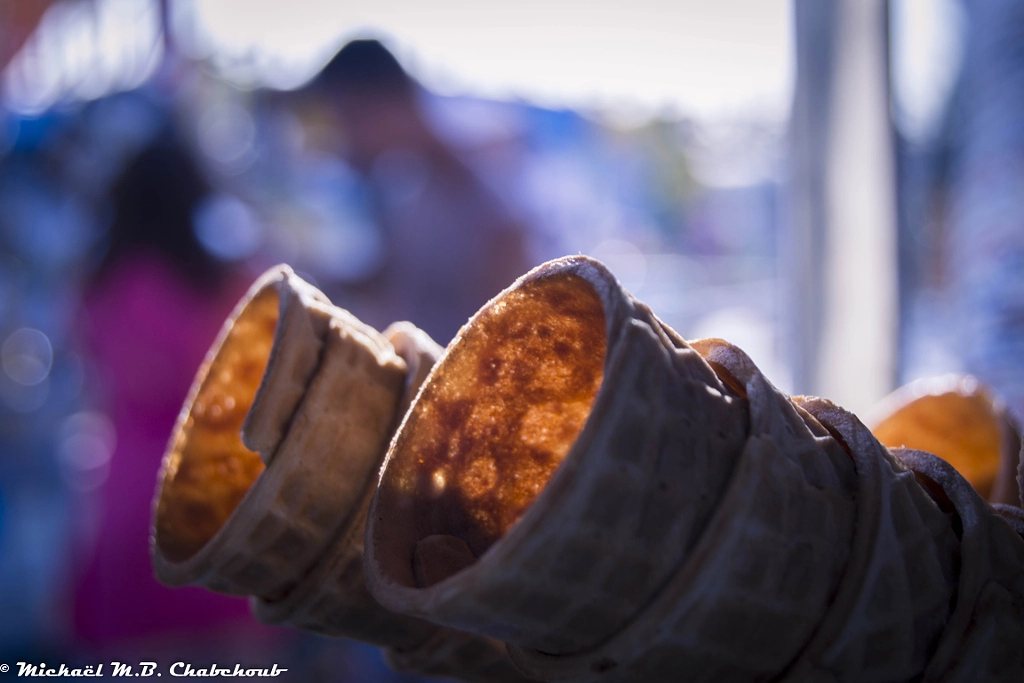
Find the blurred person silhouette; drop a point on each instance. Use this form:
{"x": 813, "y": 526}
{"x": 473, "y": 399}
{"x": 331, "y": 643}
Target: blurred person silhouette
{"x": 449, "y": 242}
{"x": 150, "y": 311}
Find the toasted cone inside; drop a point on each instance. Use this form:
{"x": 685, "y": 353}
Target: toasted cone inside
{"x": 490, "y": 427}
{"x": 209, "y": 470}
{"x": 962, "y": 426}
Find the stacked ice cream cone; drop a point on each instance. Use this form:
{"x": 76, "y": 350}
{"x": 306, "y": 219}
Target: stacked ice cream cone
{"x": 267, "y": 478}
{"x": 963, "y": 422}
{"x": 576, "y": 480}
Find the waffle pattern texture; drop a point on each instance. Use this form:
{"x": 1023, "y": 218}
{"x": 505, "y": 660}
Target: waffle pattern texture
{"x": 764, "y": 570}
{"x": 294, "y": 508}
{"x": 704, "y": 526}
{"x": 332, "y": 599}
{"x": 901, "y": 583}
{"x": 331, "y": 395}
{"x": 552, "y": 582}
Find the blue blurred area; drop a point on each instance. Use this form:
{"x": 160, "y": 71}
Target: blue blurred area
{"x": 963, "y": 238}
{"x": 130, "y": 223}
{"x": 452, "y": 200}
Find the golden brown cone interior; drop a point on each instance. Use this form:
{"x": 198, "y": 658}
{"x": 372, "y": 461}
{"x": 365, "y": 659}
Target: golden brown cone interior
{"x": 492, "y": 425}
{"x": 960, "y": 424}
{"x": 209, "y": 470}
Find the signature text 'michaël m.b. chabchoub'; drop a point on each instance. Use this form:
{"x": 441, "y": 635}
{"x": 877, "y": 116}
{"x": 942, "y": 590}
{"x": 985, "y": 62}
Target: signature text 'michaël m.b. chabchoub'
{"x": 146, "y": 669}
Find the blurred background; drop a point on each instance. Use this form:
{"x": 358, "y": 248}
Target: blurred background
{"x": 836, "y": 187}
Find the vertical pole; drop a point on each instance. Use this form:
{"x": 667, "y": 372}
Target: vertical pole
{"x": 843, "y": 246}
{"x": 803, "y": 242}
{"x": 857, "y": 362}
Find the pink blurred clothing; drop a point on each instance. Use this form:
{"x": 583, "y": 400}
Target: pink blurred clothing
{"x": 148, "y": 330}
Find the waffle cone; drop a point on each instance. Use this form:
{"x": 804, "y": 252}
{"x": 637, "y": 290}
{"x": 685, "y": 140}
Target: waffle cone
{"x": 1020, "y": 473}
{"x": 248, "y": 523}
{"x": 304, "y": 314}
{"x": 1007, "y": 488}
{"x": 1012, "y": 515}
{"x": 332, "y": 599}
{"x": 750, "y": 595}
{"x": 960, "y": 420}
{"x": 895, "y": 598}
{"x": 456, "y": 654}
{"x": 984, "y": 637}
{"x": 608, "y": 525}
{"x": 419, "y": 352}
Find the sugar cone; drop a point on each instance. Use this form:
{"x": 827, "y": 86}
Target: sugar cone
{"x": 984, "y": 637}
{"x": 895, "y": 598}
{"x": 549, "y": 442}
{"x": 249, "y": 523}
{"x": 960, "y": 420}
{"x": 752, "y": 592}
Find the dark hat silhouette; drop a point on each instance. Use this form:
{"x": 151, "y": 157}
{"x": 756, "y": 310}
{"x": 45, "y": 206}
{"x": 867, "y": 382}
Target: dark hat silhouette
{"x": 360, "y": 66}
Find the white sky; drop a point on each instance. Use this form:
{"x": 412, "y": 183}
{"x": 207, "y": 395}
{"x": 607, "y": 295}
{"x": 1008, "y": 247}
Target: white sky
{"x": 705, "y": 58}
{"x": 700, "y": 57}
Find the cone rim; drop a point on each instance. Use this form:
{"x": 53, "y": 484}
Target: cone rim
{"x": 495, "y": 562}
